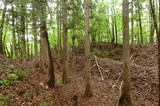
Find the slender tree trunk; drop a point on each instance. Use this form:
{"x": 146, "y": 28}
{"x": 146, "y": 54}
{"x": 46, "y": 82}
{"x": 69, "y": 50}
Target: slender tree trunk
{"x": 65, "y": 43}
{"x": 132, "y": 24}
{"x": 116, "y": 32}
{"x": 125, "y": 97}
{"x": 113, "y": 36}
{"x": 14, "y": 33}
{"x": 73, "y": 33}
{"x": 152, "y": 30}
{"x": 34, "y": 26}
{"x": 1, "y": 27}
{"x": 22, "y": 21}
{"x": 140, "y": 22}
{"x": 88, "y": 91}
{"x": 58, "y": 31}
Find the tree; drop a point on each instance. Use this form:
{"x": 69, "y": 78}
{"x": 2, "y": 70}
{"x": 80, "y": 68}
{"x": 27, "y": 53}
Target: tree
{"x": 58, "y": 30}
{"x": 44, "y": 34}
{"x": 88, "y": 91}
{"x": 1, "y": 26}
{"x": 140, "y": 22}
{"x": 34, "y": 25}
{"x": 125, "y": 96}
{"x": 65, "y": 42}
{"x": 154, "y": 16}
{"x": 23, "y": 29}
{"x": 132, "y": 23}
{"x": 14, "y": 32}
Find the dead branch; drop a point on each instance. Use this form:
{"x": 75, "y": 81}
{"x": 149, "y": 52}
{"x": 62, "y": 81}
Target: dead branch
{"x": 98, "y": 66}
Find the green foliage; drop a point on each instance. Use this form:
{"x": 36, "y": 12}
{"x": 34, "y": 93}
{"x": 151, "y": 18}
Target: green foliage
{"x": 95, "y": 52}
{"x": 105, "y": 53}
{"x": 21, "y": 74}
{"x": 4, "y": 83}
{"x": 4, "y": 100}
{"x": 13, "y": 77}
{"x": 59, "y": 82}
{"x": 43, "y": 104}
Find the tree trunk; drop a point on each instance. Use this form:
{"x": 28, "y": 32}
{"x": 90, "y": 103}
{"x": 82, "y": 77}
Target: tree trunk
{"x": 58, "y": 31}
{"x": 152, "y": 30}
{"x": 113, "y": 36}
{"x": 14, "y": 33}
{"x": 140, "y": 23}
{"x": 154, "y": 17}
{"x": 132, "y": 23}
{"x": 34, "y": 26}
{"x": 22, "y": 21}
{"x": 44, "y": 34}
{"x": 65, "y": 43}
{"x": 125, "y": 96}
{"x": 88, "y": 91}
{"x": 1, "y": 27}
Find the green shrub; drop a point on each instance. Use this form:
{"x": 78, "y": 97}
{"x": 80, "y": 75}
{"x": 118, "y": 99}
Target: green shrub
{"x": 43, "y": 104}
{"x": 21, "y": 74}
{"x": 4, "y": 83}
{"x": 59, "y": 82}
{"x": 95, "y": 52}
{"x": 13, "y": 76}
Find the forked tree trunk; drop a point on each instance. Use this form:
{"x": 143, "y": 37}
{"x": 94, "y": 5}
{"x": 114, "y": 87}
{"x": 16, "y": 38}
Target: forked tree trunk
{"x": 65, "y": 43}
{"x": 125, "y": 96}
{"x": 88, "y": 91}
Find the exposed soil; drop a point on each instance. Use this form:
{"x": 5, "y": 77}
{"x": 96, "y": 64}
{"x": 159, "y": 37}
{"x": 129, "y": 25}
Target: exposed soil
{"x": 33, "y": 90}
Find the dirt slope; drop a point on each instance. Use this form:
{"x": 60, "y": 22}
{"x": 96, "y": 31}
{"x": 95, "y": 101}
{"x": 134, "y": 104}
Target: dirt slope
{"x": 32, "y": 90}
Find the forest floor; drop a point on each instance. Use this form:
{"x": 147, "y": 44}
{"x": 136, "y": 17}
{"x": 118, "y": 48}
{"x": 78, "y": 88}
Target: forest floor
{"x": 32, "y": 90}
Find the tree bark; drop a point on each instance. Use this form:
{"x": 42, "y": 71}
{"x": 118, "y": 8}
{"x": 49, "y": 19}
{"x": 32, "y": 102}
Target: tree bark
{"x": 34, "y": 26}
{"x": 23, "y": 39}
{"x": 44, "y": 34}
{"x": 152, "y": 30}
{"x": 132, "y": 23}
{"x": 14, "y": 33}
{"x": 140, "y": 22}
{"x": 65, "y": 43}
{"x": 88, "y": 91}
{"x": 58, "y": 31}
{"x": 125, "y": 96}
{"x": 1, "y": 27}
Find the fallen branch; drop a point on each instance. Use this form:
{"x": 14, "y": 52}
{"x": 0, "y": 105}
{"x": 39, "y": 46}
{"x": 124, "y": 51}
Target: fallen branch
{"x": 118, "y": 79}
{"x": 115, "y": 62}
{"x": 98, "y": 66}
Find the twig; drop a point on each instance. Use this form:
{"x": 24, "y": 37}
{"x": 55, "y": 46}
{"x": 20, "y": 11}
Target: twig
{"x": 120, "y": 76}
{"x": 99, "y": 69}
